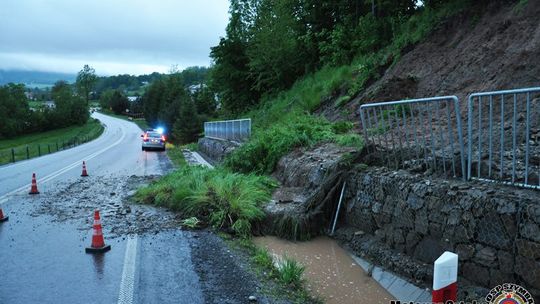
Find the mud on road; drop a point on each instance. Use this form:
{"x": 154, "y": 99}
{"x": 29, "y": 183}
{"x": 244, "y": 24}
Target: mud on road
{"x": 224, "y": 273}
{"x": 76, "y": 201}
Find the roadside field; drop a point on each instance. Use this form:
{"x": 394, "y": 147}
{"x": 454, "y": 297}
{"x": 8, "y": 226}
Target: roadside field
{"x": 37, "y": 144}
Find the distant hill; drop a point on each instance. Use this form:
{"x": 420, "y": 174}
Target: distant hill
{"x": 34, "y": 78}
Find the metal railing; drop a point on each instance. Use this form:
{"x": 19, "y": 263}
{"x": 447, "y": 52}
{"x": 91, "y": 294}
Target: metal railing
{"x": 234, "y": 130}
{"x": 11, "y": 155}
{"x": 504, "y": 140}
{"x": 423, "y": 132}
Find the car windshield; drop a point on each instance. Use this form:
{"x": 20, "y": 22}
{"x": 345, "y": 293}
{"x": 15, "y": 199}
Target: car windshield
{"x": 154, "y": 135}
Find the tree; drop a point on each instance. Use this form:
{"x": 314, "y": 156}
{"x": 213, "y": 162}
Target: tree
{"x": 14, "y": 110}
{"x": 70, "y": 109}
{"x": 86, "y": 81}
{"x": 188, "y": 124}
{"x": 119, "y": 103}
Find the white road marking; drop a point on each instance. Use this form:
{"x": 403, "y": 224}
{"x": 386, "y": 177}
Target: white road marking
{"x": 57, "y": 173}
{"x": 128, "y": 273}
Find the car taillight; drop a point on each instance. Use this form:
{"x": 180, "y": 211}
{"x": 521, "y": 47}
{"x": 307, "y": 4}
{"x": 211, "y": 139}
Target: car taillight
{"x": 163, "y": 138}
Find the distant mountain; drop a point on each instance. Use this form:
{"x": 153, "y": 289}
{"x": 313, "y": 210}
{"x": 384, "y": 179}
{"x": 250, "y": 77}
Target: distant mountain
{"x": 34, "y": 78}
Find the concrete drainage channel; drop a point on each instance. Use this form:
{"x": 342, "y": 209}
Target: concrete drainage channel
{"x": 332, "y": 272}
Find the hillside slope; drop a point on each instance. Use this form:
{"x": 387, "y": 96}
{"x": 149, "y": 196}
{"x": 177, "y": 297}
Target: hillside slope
{"x": 497, "y": 48}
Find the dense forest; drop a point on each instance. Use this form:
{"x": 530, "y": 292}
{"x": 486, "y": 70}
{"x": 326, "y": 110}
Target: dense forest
{"x": 270, "y": 44}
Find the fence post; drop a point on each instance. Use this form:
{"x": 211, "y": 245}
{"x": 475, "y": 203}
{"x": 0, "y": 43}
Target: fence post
{"x": 49, "y": 148}
{"x": 39, "y": 149}
{"x": 12, "y": 155}
{"x": 27, "y": 152}
{"x": 57, "y": 146}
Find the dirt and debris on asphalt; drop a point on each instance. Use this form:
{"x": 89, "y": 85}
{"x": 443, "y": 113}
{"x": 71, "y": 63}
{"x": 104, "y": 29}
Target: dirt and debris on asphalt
{"x": 225, "y": 274}
{"x": 76, "y": 200}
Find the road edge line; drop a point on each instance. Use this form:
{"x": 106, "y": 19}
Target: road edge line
{"x": 125, "y": 295}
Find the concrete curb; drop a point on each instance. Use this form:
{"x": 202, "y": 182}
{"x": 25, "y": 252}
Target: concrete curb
{"x": 396, "y": 286}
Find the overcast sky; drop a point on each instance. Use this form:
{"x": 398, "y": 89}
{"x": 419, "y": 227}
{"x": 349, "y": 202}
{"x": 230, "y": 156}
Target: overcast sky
{"x": 113, "y": 36}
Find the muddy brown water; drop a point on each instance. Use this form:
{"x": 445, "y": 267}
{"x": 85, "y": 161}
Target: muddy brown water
{"x": 330, "y": 272}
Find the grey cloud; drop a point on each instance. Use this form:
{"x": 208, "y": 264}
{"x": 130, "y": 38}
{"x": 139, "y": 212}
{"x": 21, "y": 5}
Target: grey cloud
{"x": 159, "y": 33}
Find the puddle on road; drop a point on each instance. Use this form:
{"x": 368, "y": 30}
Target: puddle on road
{"x": 330, "y": 272}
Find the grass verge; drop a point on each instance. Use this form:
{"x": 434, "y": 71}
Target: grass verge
{"x": 176, "y": 155}
{"x": 219, "y": 198}
{"x": 36, "y": 144}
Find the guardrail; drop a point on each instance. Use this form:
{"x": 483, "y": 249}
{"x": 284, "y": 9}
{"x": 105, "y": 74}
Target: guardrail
{"x": 504, "y": 142}
{"x": 414, "y": 132}
{"x": 12, "y": 155}
{"x": 234, "y": 130}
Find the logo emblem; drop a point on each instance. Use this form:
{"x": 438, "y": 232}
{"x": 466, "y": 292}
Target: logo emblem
{"x": 509, "y": 293}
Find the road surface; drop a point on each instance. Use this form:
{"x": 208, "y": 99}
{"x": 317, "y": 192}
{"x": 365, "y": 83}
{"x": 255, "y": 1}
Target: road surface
{"x": 42, "y": 259}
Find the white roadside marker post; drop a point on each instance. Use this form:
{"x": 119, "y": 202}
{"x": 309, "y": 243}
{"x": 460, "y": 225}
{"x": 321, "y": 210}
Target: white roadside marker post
{"x": 445, "y": 273}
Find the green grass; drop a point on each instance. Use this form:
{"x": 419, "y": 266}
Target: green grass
{"x": 175, "y": 154}
{"x": 262, "y": 258}
{"x": 290, "y": 272}
{"x": 217, "y": 197}
{"x": 47, "y": 141}
{"x": 191, "y": 222}
{"x": 191, "y": 146}
{"x": 288, "y": 282}
{"x": 262, "y": 152}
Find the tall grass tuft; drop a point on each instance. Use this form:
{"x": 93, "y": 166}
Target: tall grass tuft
{"x": 217, "y": 197}
{"x": 290, "y": 272}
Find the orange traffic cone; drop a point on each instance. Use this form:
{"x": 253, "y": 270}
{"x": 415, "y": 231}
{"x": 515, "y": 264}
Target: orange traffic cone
{"x": 34, "y": 189}
{"x": 84, "y": 173}
{"x": 98, "y": 243}
{"x": 2, "y": 217}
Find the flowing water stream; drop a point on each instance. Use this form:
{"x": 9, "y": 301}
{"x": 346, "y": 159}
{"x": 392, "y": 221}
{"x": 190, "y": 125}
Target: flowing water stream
{"x": 330, "y": 272}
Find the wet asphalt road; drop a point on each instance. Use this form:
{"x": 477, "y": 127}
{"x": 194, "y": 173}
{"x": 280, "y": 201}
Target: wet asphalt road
{"x": 43, "y": 260}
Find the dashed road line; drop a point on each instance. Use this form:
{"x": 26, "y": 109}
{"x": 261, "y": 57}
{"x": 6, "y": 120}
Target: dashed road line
{"x": 128, "y": 273}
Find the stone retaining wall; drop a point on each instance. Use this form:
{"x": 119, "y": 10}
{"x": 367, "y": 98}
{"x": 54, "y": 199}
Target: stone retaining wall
{"x": 216, "y": 149}
{"x": 495, "y": 229}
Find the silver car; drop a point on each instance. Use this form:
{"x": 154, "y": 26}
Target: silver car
{"x": 153, "y": 140}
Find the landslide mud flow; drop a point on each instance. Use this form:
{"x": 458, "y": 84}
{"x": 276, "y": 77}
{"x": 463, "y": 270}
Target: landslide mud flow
{"x": 76, "y": 202}
{"x": 43, "y": 250}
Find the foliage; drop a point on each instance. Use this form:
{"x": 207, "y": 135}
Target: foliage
{"x": 118, "y": 102}
{"x": 283, "y": 123}
{"x": 168, "y": 102}
{"x": 266, "y": 147}
{"x": 192, "y": 222}
{"x": 269, "y": 44}
{"x": 290, "y": 272}
{"x": 16, "y": 116}
{"x": 14, "y": 110}
{"x": 86, "y": 81}
{"x": 176, "y": 155}
{"x": 217, "y": 197}
{"x": 262, "y": 257}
